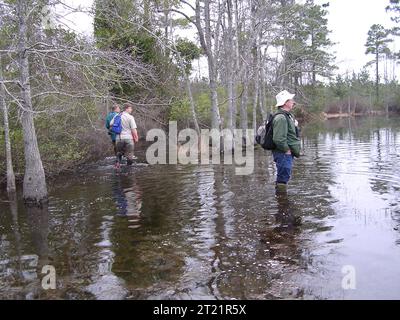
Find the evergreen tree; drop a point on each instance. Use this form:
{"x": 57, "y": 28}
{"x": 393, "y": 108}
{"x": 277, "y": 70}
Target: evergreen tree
{"x": 316, "y": 28}
{"x": 377, "y": 44}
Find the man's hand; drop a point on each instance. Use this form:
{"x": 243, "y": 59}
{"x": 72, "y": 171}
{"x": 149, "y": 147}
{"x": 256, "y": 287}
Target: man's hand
{"x": 135, "y": 136}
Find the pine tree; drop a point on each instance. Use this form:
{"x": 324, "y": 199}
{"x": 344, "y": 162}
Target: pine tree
{"x": 377, "y": 44}
{"x": 316, "y": 27}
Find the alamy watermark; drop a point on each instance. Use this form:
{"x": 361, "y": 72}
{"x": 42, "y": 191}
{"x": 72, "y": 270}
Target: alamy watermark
{"x": 49, "y": 280}
{"x": 235, "y": 147}
{"x": 349, "y": 281}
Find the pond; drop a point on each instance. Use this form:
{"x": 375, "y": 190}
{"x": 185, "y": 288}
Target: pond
{"x": 202, "y": 232}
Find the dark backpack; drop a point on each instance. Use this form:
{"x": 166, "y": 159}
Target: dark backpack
{"x": 265, "y": 133}
{"x": 117, "y": 124}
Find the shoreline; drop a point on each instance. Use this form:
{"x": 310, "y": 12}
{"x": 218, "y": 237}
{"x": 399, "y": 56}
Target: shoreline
{"x": 81, "y": 168}
{"x": 327, "y": 116}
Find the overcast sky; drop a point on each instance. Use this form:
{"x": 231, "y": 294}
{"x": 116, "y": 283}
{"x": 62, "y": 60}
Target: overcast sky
{"x": 349, "y": 21}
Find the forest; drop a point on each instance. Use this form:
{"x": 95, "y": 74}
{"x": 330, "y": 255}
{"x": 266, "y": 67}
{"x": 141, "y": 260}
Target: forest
{"x": 205, "y": 64}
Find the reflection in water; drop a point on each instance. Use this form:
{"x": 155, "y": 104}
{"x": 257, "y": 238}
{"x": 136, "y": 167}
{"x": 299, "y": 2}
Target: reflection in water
{"x": 19, "y": 268}
{"x": 106, "y": 285}
{"x": 286, "y": 217}
{"x": 12, "y": 269}
{"x": 129, "y": 201}
{"x": 38, "y": 222}
{"x": 17, "y": 235}
{"x": 202, "y": 237}
{"x": 281, "y": 234}
{"x": 203, "y": 232}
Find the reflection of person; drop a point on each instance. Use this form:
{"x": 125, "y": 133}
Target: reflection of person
{"x": 129, "y": 202}
{"x": 115, "y": 110}
{"x": 285, "y": 137}
{"x": 286, "y": 217}
{"x": 128, "y": 136}
{"x": 120, "y": 199}
{"x": 280, "y": 233}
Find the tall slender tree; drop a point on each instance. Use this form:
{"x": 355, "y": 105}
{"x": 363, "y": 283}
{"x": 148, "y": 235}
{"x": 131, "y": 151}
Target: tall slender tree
{"x": 9, "y": 165}
{"x": 377, "y": 44}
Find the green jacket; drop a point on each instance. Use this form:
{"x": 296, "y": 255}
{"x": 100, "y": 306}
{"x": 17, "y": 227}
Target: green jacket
{"x": 285, "y": 137}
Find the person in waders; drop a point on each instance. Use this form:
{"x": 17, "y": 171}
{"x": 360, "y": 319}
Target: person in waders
{"x": 116, "y": 109}
{"x": 127, "y": 136}
{"x": 285, "y": 138}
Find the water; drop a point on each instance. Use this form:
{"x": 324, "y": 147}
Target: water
{"x": 201, "y": 232}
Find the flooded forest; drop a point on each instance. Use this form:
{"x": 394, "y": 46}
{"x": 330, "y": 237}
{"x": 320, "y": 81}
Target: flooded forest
{"x": 125, "y": 126}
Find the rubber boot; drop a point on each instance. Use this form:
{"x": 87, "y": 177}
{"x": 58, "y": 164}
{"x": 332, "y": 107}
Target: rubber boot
{"x": 281, "y": 188}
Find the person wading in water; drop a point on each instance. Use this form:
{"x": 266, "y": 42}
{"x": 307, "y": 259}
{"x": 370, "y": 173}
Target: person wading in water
{"x": 114, "y": 111}
{"x": 286, "y": 139}
{"x": 125, "y": 141}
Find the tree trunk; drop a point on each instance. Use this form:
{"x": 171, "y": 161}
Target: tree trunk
{"x": 230, "y": 69}
{"x": 206, "y": 43}
{"x": 262, "y": 97}
{"x": 255, "y": 103}
{"x": 256, "y": 86}
{"x": 377, "y": 76}
{"x": 215, "y": 116}
{"x": 244, "y": 101}
{"x": 192, "y": 103}
{"x": 35, "y": 190}
{"x": 10, "y": 171}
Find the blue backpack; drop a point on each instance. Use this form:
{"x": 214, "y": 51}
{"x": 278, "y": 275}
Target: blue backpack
{"x": 117, "y": 124}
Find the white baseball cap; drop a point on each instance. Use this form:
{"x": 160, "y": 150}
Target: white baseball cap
{"x": 282, "y": 97}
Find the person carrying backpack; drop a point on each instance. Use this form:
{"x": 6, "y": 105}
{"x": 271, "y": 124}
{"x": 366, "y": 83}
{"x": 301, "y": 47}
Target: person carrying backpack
{"x": 124, "y": 126}
{"x": 285, "y": 138}
{"x": 114, "y": 111}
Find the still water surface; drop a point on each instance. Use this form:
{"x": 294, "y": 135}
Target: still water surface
{"x": 201, "y": 232}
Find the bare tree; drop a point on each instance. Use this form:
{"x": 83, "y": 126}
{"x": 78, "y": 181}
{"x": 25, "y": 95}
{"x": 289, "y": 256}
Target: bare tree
{"x": 9, "y": 166}
{"x": 34, "y": 188}
{"x": 53, "y": 73}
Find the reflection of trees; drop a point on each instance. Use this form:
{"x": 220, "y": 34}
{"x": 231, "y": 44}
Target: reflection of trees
{"x": 38, "y": 222}
{"x": 17, "y": 235}
{"x": 146, "y": 242}
{"x": 206, "y": 254}
{"x": 384, "y": 161}
{"x": 13, "y": 265}
{"x": 23, "y": 269}
{"x": 105, "y": 284}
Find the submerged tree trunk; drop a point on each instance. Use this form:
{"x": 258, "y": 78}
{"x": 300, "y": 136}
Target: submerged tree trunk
{"x": 10, "y": 171}
{"x": 34, "y": 186}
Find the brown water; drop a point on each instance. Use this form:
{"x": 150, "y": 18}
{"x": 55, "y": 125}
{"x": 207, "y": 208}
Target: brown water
{"x": 201, "y": 232}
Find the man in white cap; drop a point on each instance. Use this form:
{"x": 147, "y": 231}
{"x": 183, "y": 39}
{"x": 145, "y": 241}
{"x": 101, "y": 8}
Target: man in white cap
{"x": 285, "y": 138}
